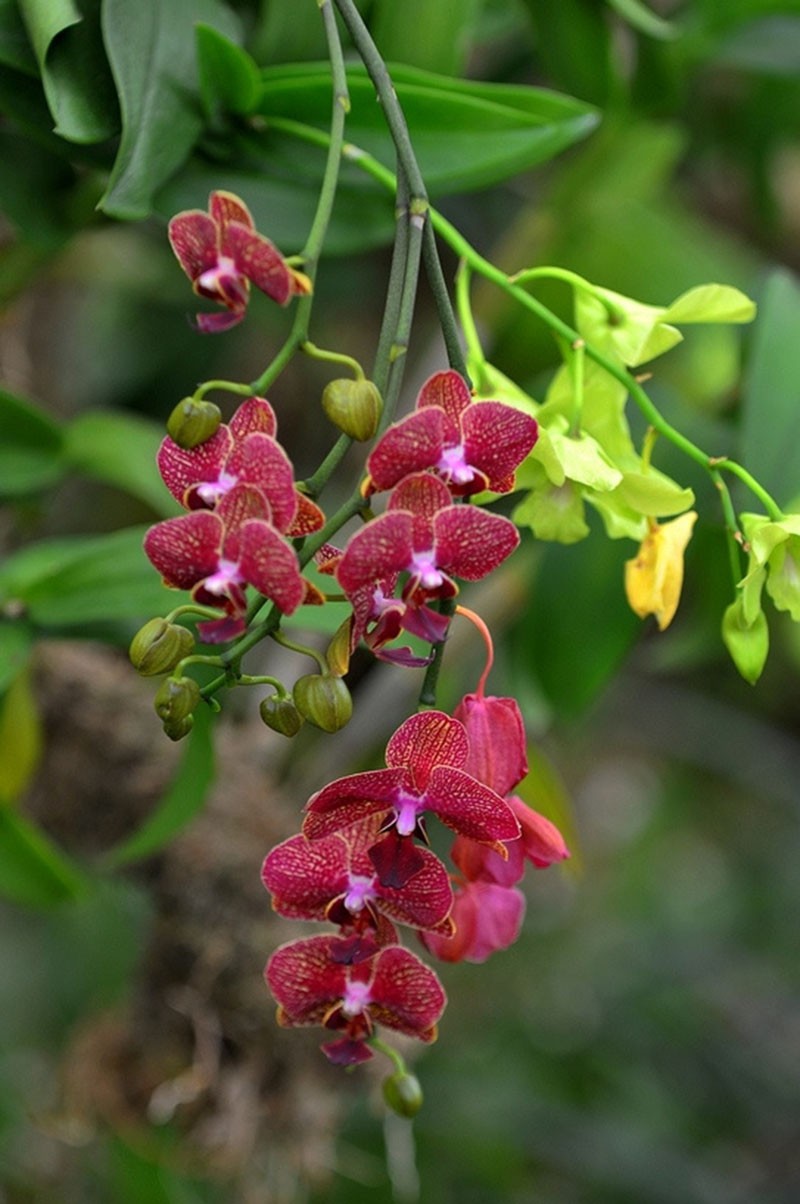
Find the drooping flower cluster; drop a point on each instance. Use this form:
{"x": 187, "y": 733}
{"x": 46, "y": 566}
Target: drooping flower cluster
{"x": 239, "y": 489}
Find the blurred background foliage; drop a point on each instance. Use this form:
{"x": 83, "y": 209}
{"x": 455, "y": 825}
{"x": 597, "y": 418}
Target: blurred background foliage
{"x": 640, "y": 1043}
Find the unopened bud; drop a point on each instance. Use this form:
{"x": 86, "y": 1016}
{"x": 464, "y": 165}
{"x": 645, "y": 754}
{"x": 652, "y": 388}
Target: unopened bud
{"x": 193, "y": 422}
{"x": 337, "y": 654}
{"x": 403, "y": 1093}
{"x": 355, "y": 406}
{"x": 180, "y": 728}
{"x": 159, "y": 646}
{"x": 281, "y": 715}
{"x": 176, "y": 698}
{"x": 323, "y": 700}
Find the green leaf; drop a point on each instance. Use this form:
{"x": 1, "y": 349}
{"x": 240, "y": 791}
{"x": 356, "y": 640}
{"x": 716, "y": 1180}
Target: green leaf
{"x": 15, "y": 48}
{"x": 770, "y": 429}
{"x": 573, "y": 42}
{"x": 711, "y": 303}
{"x": 230, "y": 81}
{"x": 432, "y": 34}
{"x": 583, "y": 627}
{"x": 33, "y": 871}
{"x": 65, "y": 35}
{"x": 84, "y": 579}
{"x": 151, "y": 48}
{"x": 16, "y": 643}
{"x": 30, "y": 448}
{"x": 643, "y": 19}
{"x": 119, "y": 449}
{"x": 20, "y": 737}
{"x": 184, "y": 799}
{"x": 466, "y": 135}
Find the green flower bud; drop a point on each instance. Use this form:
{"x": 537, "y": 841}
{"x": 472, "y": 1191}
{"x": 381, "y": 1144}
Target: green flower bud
{"x": 323, "y": 700}
{"x": 176, "y": 698}
{"x": 403, "y": 1093}
{"x": 748, "y": 643}
{"x": 337, "y": 654}
{"x": 180, "y": 728}
{"x": 159, "y": 646}
{"x": 193, "y": 422}
{"x": 354, "y": 406}
{"x": 281, "y": 715}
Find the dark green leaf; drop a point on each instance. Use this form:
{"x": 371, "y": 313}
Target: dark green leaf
{"x": 32, "y": 195}
{"x": 230, "y": 81}
{"x": 770, "y": 431}
{"x": 184, "y": 798}
{"x": 433, "y": 34}
{"x": 30, "y": 448}
{"x": 583, "y": 627}
{"x": 16, "y": 642}
{"x": 84, "y": 579}
{"x": 15, "y": 48}
{"x": 151, "y": 48}
{"x": 466, "y": 135}
{"x": 573, "y": 44}
{"x": 770, "y": 46}
{"x": 119, "y": 449}
{"x": 33, "y": 871}
{"x": 65, "y": 35}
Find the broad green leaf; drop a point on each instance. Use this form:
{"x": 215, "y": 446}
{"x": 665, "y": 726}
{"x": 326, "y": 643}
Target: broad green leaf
{"x": 15, "y": 48}
{"x": 711, "y": 303}
{"x": 230, "y": 81}
{"x": 770, "y": 429}
{"x": 20, "y": 737}
{"x": 84, "y": 579}
{"x": 33, "y": 196}
{"x": 119, "y": 449}
{"x": 653, "y": 493}
{"x": 466, "y": 135}
{"x": 16, "y": 643}
{"x": 151, "y": 48}
{"x": 184, "y": 798}
{"x": 643, "y": 19}
{"x": 30, "y": 448}
{"x": 65, "y": 35}
{"x": 33, "y": 871}
{"x": 432, "y": 34}
{"x": 583, "y": 626}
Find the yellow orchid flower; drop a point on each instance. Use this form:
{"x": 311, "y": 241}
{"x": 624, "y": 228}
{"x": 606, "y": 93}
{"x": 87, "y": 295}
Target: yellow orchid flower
{"x": 653, "y": 579}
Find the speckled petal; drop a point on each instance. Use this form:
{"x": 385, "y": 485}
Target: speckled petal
{"x": 426, "y": 740}
{"x": 471, "y": 543}
{"x": 305, "y": 980}
{"x": 269, "y": 563}
{"x": 405, "y": 994}
{"x": 181, "y": 468}
{"x": 350, "y": 799}
{"x": 409, "y": 446}
{"x": 185, "y": 550}
{"x": 193, "y": 236}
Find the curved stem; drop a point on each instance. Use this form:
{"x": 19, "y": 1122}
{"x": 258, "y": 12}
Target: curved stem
{"x": 478, "y": 622}
{"x": 280, "y": 638}
{"x": 333, "y": 357}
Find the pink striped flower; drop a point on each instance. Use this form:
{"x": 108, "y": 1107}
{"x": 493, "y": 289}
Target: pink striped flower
{"x": 215, "y": 554}
{"x": 428, "y": 537}
{"x": 425, "y": 759}
{"x": 243, "y": 451}
{"x": 393, "y": 988}
{"x": 222, "y": 254}
{"x": 471, "y": 445}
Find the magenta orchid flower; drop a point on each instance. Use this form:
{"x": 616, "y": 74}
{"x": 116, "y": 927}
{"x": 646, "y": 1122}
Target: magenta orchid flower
{"x": 215, "y": 554}
{"x": 429, "y": 537}
{"x": 487, "y": 917}
{"x": 471, "y": 445}
{"x": 222, "y": 254}
{"x": 334, "y": 879}
{"x": 425, "y": 759}
{"x": 243, "y": 451}
{"x": 393, "y": 988}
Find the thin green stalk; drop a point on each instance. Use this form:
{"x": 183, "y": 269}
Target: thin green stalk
{"x": 427, "y": 695}
{"x": 444, "y": 306}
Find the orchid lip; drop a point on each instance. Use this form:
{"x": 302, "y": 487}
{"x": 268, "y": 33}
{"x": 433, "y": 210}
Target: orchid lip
{"x": 406, "y": 810}
{"x": 453, "y": 464}
{"x": 356, "y": 998}
{"x": 211, "y": 491}
{"x": 224, "y": 266}
{"x": 227, "y": 574}
{"x": 423, "y": 567}
{"x": 359, "y": 892}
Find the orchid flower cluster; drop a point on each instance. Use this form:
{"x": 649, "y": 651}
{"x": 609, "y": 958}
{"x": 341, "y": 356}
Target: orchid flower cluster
{"x": 361, "y": 862}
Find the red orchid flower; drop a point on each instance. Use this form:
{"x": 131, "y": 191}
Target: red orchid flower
{"x": 216, "y": 553}
{"x": 487, "y": 917}
{"x": 221, "y": 253}
{"x": 243, "y": 451}
{"x": 540, "y": 843}
{"x": 472, "y": 445}
{"x": 425, "y": 759}
{"x": 393, "y": 988}
{"x": 426, "y": 535}
{"x": 334, "y": 879}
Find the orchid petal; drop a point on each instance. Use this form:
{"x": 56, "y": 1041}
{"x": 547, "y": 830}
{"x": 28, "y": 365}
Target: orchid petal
{"x": 260, "y": 261}
{"x": 253, "y": 415}
{"x": 215, "y": 323}
{"x": 185, "y": 550}
{"x": 381, "y": 548}
{"x": 261, "y": 461}
{"x": 471, "y": 543}
{"x": 181, "y": 468}
{"x": 193, "y": 238}
{"x": 303, "y": 876}
{"x": 226, "y": 207}
{"x": 450, "y": 392}
{"x": 305, "y": 980}
{"x": 470, "y": 808}
{"x": 426, "y": 740}
{"x": 405, "y": 994}
{"x": 350, "y": 799}
{"x": 269, "y": 563}
{"x": 497, "y": 438}
{"x": 408, "y": 446}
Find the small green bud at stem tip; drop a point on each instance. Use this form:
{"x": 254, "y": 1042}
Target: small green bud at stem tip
{"x": 323, "y": 700}
{"x": 193, "y": 422}
{"x": 403, "y": 1093}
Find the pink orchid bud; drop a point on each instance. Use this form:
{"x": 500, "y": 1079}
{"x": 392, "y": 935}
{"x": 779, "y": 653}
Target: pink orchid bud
{"x": 541, "y": 840}
{"x": 496, "y": 734}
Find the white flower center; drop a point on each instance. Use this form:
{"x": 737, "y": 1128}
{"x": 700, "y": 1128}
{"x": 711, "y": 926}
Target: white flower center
{"x": 356, "y": 998}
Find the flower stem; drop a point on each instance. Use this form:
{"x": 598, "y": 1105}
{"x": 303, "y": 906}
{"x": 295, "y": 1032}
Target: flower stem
{"x": 478, "y": 622}
{"x": 281, "y": 638}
